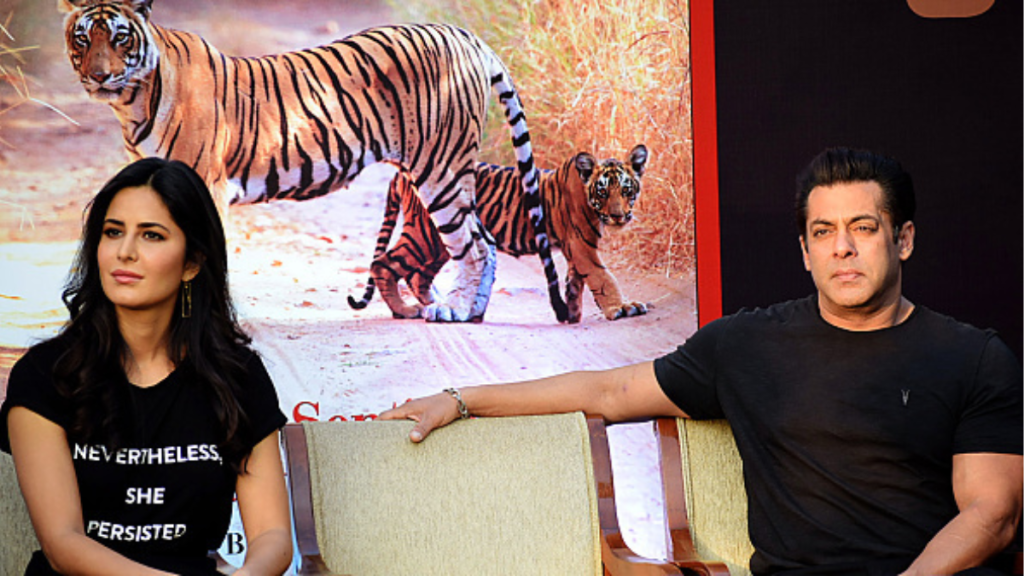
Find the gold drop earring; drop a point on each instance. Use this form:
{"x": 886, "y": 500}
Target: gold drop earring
{"x": 186, "y": 299}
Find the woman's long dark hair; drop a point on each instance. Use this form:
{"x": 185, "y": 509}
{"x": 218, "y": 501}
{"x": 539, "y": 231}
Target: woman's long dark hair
{"x": 209, "y": 345}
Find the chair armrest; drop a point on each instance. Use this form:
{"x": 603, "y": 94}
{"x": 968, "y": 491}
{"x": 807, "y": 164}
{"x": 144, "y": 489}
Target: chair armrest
{"x": 311, "y": 561}
{"x": 679, "y": 542}
{"x": 617, "y": 557}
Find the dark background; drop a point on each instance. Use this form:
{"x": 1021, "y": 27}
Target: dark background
{"x": 944, "y": 96}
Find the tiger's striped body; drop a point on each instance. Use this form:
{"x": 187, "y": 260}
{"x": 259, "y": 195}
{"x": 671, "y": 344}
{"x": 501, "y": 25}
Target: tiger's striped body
{"x": 580, "y": 199}
{"x": 417, "y": 256}
{"x": 301, "y": 124}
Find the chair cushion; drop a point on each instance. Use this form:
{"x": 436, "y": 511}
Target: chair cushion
{"x": 480, "y": 496}
{"x": 17, "y": 538}
{"x": 716, "y": 500}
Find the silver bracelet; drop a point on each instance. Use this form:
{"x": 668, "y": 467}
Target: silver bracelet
{"x": 454, "y": 393}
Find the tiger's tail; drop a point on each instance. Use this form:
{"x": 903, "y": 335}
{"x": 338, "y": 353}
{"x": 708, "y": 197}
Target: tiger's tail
{"x": 501, "y": 81}
{"x": 391, "y": 210}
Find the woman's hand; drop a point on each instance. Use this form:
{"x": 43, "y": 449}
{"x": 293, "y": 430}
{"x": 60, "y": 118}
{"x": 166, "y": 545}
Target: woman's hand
{"x": 429, "y": 413}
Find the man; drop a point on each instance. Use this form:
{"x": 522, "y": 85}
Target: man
{"x": 881, "y": 437}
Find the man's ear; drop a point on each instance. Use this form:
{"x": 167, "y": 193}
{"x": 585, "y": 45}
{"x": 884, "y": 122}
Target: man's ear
{"x": 803, "y": 252}
{"x": 907, "y": 233}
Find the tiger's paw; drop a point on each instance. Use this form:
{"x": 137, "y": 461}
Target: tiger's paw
{"x": 575, "y": 310}
{"x": 625, "y": 311}
{"x": 406, "y": 316}
{"x": 443, "y": 313}
{"x": 467, "y": 302}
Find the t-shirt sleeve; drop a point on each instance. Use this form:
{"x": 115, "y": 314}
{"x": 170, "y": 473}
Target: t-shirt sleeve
{"x": 687, "y": 375}
{"x": 261, "y": 401}
{"x": 994, "y": 415}
{"x": 30, "y": 385}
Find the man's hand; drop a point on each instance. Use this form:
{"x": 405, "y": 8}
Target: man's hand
{"x": 429, "y": 412}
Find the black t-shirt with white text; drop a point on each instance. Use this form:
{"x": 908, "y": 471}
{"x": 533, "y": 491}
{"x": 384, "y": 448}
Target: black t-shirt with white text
{"x": 847, "y": 438}
{"x": 165, "y": 497}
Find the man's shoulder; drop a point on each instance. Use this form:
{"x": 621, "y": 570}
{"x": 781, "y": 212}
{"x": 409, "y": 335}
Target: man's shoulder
{"x": 767, "y": 325}
{"x": 942, "y": 326}
{"x": 946, "y": 337}
{"x": 789, "y": 311}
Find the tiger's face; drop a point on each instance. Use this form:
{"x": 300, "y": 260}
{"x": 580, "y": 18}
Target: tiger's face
{"x": 613, "y": 186}
{"x": 110, "y": 45}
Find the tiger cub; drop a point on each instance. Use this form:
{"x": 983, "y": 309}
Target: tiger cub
{"x": 302, "y": 124}
{"x": 580, "y": 199}
{"x": 417, "y": 257}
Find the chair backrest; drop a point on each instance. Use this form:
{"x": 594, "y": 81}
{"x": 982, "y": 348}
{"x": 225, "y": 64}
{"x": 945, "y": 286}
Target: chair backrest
{"x": 480, "y": 496}
{"x": 715, "y": 509}
{"x": 17, "y": 538}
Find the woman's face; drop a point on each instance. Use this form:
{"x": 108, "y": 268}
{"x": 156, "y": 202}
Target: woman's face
{"x": 141, "y": 253}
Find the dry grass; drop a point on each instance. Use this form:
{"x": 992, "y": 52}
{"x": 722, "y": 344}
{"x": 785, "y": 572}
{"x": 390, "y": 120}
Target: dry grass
{"x": 14, "y": 82}
{"x": 599, "y": 76}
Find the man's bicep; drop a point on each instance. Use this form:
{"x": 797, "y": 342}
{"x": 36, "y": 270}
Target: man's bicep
{"x": 641, "y": 396}
{"x": 994, "y": 481}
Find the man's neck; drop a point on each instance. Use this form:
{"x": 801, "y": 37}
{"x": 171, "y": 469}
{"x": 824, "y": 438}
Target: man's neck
{"x": 866, "y": 319}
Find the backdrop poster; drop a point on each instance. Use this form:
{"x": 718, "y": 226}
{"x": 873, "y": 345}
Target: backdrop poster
{"x": 293, "y": 264}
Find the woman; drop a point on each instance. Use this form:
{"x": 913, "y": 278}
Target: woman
{"x": 132, "y": 429}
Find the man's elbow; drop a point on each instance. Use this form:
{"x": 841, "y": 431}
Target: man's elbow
{"x": 1001, "y": 520}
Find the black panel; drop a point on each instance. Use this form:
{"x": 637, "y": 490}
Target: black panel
{"x": 943, "y": 96}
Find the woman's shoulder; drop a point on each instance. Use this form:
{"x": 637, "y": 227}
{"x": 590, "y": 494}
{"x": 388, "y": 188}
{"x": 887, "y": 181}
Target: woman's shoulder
{"x": 42, "y": 356}
{"x": 259, "y": 393}
{"x": 31, "y": 385}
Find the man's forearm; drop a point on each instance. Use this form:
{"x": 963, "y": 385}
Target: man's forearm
{"x": 584, "y": 391}
{"x": 971, "y": 538}
{"x": 624, "y": 393}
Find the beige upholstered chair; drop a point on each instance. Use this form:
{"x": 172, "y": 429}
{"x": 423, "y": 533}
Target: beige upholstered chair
{"x": 483, "y": 496}
{"x": 17, "y": 539}
{"x": 706, "y": 504}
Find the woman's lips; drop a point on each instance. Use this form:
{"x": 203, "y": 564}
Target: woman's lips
{"x": 125, "y": 276}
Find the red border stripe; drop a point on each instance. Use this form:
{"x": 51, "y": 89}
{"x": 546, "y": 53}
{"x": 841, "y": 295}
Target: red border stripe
{"x": 705, "y": 161}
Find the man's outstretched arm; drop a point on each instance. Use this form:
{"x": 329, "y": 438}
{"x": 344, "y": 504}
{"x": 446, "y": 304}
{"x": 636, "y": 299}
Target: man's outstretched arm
{"x": 619, "y": 394}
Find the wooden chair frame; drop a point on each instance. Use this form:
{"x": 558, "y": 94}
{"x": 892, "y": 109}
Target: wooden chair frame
{"x": 616, "y": 556}
{"x": 678, "y": 540}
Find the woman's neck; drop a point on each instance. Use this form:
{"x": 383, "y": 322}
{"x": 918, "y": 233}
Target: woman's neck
{"x": 146, "y": 335}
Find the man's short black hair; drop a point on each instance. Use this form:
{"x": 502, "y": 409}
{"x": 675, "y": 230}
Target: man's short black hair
{"x": 844, "y": 165}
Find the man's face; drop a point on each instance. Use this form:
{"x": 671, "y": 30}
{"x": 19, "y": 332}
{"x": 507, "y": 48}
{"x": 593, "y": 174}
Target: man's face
{"x": 850, "y": 251}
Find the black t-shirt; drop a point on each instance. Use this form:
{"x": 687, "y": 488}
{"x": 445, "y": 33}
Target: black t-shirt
{"x": 165, "y": 498}
{"x": 847, "y": 437}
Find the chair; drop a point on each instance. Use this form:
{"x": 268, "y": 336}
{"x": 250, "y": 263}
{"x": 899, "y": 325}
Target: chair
{"x": 521, "y": 495}
{"x": 17, "y": 538}
{"x": 705, "y": 500}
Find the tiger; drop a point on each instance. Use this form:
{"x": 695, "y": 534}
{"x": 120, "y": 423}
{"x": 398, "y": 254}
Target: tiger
{"x": 417, "y": 256}
{"x": 301, "y": 124}
{"x": 581, "y": 199}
